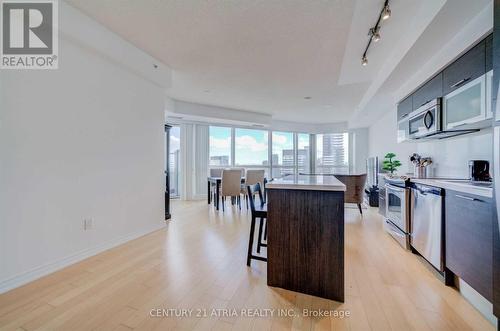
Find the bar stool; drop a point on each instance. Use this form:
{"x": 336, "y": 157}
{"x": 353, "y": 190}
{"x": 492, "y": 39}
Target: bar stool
{"x": 259, "y": 211}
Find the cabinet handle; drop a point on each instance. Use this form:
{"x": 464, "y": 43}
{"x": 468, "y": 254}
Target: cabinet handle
{"x": 460, "y": 82}
{"x": 424, "y": 103}
{"x": 466, "y": 198}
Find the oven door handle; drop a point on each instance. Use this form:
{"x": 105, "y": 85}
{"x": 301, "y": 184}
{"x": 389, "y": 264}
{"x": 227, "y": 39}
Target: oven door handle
{"x": 394, "y": 188}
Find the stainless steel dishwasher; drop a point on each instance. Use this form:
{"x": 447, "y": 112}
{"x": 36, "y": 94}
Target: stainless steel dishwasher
{"x": 426, "y": 235}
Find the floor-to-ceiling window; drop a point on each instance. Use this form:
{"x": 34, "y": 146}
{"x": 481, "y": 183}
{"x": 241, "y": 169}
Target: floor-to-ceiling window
{"x": 220, "y": 146}
{"x": 278, "y": 152}
{"x": 283, "y": 153}
{"x": 251, "y": 147}
{"x": 303, "y": 153}
{"x": 174, "y": 161}
{"x": 332, "y": 153}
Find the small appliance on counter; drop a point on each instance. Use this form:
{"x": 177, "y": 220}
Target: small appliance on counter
{"x": 421, "y": 165}
{"x": 479, "y": 171}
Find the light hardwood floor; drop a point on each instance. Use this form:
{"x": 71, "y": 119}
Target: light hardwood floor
{"x": 198, "y": 262}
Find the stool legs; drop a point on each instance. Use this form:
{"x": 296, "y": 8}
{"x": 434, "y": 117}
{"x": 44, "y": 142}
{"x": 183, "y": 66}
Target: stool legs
{"x": 265, "y": 231}
{"x": 259, "y": 243}
{"x": 250, "y": 241}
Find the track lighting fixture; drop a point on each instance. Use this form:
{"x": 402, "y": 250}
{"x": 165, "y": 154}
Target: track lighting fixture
{"x": 386, "y": 12}
{"x": 364, "y": 61}
{"x": 374, "y": 32}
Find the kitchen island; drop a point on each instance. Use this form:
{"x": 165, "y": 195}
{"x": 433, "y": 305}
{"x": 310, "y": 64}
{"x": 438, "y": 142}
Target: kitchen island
{"x": 305, "y": 235}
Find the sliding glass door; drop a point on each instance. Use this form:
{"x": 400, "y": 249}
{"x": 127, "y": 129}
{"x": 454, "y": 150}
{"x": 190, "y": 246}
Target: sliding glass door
{"x": 174, "y": 161}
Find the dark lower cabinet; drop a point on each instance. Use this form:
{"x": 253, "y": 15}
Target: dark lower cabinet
{"x": 496, "y": 269}
{"x": 469, "y": 240}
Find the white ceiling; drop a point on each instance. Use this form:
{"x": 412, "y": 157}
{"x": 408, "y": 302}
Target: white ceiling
{"x": 266, "y": 56}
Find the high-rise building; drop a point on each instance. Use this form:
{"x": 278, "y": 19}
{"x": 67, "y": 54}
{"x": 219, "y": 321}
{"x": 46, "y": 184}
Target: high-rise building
{"x": 334, "y": 152}
{"x": 219, "y": 160}
{"x": 303, "y": 162}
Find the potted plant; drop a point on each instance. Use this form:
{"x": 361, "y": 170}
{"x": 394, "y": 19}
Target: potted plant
{"x": 389, "y": 164}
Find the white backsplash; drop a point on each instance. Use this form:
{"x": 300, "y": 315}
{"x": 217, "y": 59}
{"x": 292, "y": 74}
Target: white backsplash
{"x": 450, "y": 156}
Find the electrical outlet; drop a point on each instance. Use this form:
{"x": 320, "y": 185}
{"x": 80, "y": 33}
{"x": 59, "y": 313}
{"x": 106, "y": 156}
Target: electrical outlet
{"x": 87, "y": 223}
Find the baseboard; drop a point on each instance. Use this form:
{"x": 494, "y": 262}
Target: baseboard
{"x": 477, "y": 300}
{"x": 39, "y": 272}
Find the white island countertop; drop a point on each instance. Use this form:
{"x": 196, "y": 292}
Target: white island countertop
{"x": 307, "y": 182}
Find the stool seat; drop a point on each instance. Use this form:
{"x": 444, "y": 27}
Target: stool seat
{"x": 261, "y": 211}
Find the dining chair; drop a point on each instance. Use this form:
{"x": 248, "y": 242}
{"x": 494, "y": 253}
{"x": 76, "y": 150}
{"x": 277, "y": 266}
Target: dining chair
{"x": 355, "y": 189}
{"x": 258, "y": 211}
{"x": 252, "y": 177}
{"x": 214, "y": 172}
{"x": 242, "y": 170}
{"x": 231, "y": 185}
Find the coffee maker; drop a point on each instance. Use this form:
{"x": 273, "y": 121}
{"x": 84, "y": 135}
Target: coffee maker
{"x": 479, "y": 171}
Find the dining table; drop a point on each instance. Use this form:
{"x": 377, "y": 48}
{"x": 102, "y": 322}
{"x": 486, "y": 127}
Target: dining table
{"x": 211, "y": 180}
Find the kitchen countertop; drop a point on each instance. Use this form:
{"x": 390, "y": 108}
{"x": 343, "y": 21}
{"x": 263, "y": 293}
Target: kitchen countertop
{"x": 465, "y": 186}
{"x": 307, "y": 182}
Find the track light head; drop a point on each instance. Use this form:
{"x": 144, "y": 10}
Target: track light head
{"x": 386, "y": 12}
{"x": 364, "y": 61}
{"x": 375, "y": 34}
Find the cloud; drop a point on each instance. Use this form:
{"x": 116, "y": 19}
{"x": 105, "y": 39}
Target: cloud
{"x": 280, "y": 139}
{"x": 249, "y": 142}
{"x": 175, "y": 143}
{"x": 220, "y": 143}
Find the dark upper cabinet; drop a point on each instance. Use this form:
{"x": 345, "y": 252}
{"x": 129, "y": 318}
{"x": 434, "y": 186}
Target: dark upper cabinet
{"x": 405, "y": 107}
{"x": 469, "y": 66}
{"x": 489, "y": 52}
{"x": 431, "y": 90}
{"x": 469, "y": 239}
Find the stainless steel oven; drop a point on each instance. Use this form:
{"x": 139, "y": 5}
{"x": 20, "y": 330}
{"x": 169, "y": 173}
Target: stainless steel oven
{"x": 426, "y": 120}
{"x": 397, "y": 222}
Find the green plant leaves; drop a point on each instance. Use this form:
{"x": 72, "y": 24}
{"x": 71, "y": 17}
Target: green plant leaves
{"x": 389, "y": 164}
{"x": 390, "y": 155}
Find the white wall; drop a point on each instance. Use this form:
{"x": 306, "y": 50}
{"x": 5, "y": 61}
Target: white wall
{"x": 450, "y": 156}
{"x": 82, "y": 141}
{"x": 382, "y": 140}
{"x": 358, "y": 150}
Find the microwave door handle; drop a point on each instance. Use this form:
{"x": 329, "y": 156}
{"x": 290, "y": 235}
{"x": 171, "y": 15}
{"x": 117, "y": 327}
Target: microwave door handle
{"x": 460, "y": 82}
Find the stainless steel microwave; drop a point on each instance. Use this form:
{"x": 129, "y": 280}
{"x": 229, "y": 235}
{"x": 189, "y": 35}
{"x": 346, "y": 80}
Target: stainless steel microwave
{"x": 426, "y": 120}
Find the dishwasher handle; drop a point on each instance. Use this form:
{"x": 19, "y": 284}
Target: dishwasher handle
{"x": 424, "y": 190}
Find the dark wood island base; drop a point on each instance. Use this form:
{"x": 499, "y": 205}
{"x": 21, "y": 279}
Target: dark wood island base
{"x": 306, "y": 241}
